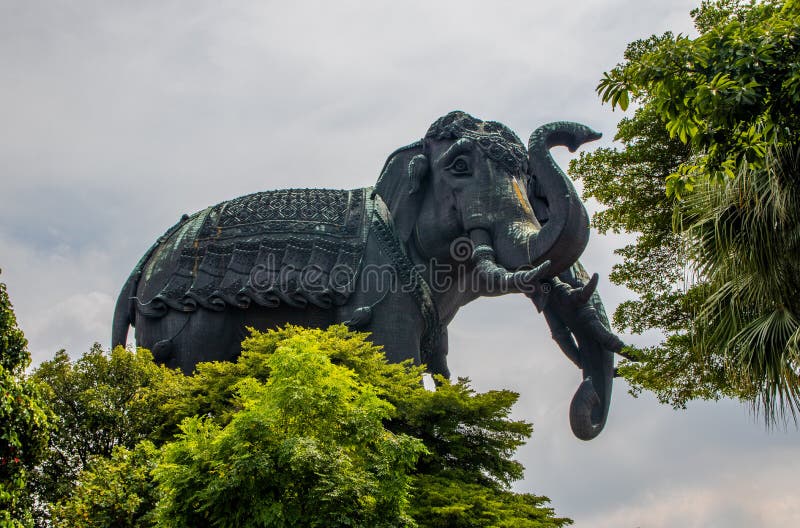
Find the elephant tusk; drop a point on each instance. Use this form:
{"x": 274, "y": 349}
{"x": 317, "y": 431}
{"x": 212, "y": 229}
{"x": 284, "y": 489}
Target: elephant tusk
{"x": 584, "y": 293}
{"x": 607, "y": 339}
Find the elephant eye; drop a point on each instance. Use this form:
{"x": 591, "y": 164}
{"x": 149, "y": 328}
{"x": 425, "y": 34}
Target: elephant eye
{"x": 459, "y": 167}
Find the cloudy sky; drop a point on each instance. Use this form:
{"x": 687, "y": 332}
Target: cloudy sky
{"x": 117, "y": 117}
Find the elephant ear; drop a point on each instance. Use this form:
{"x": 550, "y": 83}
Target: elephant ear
{"x": 417, "y": 172}
{"x": 402, "y": 186}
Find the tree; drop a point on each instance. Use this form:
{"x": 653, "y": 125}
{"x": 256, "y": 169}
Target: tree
{"x": 729, "y": 97}
{"x": 116, "y": 491}
{"x": 102, "y": 401}
{"x": 630, "y": 183}
{"x": 441, "y": 502}
{"x": 24, "y": 420}
{"x": 731, "y": 93}
{"x": 743, "y": 236}
{"x": 465, "y": 465}
{"x": 307, "y": 448}
{"x": 307, "y": 428}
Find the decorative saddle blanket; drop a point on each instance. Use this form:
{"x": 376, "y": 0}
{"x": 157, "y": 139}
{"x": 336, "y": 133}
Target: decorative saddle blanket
{"x": 297, "y": 247}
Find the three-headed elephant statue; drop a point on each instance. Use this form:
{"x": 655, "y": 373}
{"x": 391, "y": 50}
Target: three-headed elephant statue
{"x": 465, "y": 212}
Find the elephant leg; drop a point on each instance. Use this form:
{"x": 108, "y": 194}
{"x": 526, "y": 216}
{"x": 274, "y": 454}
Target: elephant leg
{"x": 438, "y": 361}
{"x": 397, "y": 326}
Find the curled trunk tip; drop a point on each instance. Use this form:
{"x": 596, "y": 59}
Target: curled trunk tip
{"x": 587, "y": 416}
{"x": 566, "y": 232}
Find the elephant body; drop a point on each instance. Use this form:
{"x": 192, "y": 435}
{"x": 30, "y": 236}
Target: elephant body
{"x": 313, "y": 257}
{"x": 450, "y": 219}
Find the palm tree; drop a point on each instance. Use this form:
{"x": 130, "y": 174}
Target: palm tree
{"x": 743, "y": 243}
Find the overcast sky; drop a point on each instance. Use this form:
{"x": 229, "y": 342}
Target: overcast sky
{"x": 117, "y": 117}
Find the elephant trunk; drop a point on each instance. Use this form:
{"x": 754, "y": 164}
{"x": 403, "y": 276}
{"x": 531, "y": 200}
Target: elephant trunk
{"x": 586, "y": 417}
{"x": 565, "y": 234}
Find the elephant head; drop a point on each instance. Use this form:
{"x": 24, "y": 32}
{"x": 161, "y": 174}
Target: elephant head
{"x": 474, "y": 178}
{"x": 468, "y": 177}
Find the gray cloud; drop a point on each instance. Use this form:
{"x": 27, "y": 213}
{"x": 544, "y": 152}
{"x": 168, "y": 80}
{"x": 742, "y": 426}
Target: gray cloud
{"x": 119, "y": 117}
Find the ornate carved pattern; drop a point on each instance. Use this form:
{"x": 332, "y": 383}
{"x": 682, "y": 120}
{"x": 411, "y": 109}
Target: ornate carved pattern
{"x": 495, "y": 139}
{"x": 296, "y": 247}
{"x": 331, "y": 212}
{"x": 410, "y": 280}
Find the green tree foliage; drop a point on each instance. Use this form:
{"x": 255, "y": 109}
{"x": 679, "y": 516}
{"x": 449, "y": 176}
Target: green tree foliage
{"x": 440, "y": 502}
{"x": 743, "y": 238}
{"x": 468, "y": 437}
{"x": 24, "y": 420}
{"x": 102, "y": 401}
{"x": 732, "y": 92}
{"x": 116, "y": 491}
{"x": 479, "y": 453}
{"x": 306, "y": 448}
{"x": 311, "y": 428}
{"x": 718, "y": 276}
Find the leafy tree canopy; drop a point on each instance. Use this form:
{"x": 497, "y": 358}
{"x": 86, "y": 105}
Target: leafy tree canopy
{"x": 307, "y": 428}
{"x": 630, "y": 183}
{"x": 25, "y": 419}
{"x": 101, "y": 401}
{"x": 306, "y": 448}
{"x": 732, "y": 92}
{"x": 116, "y": 491}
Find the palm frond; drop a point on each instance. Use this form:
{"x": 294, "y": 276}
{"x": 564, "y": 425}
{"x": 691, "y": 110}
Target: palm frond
{"x": 742, "y": 238}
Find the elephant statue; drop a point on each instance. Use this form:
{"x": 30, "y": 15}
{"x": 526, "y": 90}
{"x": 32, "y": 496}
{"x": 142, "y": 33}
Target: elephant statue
{"x": 450, "y": 219}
